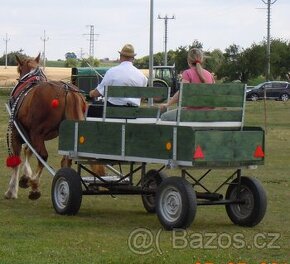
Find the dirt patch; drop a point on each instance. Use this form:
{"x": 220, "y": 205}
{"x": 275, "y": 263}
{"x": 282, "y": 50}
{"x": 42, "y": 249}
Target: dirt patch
{"x": 8, "y": 76}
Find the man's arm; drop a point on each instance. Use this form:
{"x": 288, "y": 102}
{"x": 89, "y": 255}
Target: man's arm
{"x": 94, "y": 93}
{"x": 101, "y": 87}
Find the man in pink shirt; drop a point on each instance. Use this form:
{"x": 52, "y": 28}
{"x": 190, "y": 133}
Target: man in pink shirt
{"x": 195, "y": 74}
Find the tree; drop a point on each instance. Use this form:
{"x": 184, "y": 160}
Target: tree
{"x": 11, "y": 57}
{"x": 70, "y": 55}
{"x": 71, "y": 63}
{"x": 231, "y": 68}
{"x": 90, "y": 62}
{"x": 280, "y": 58}
{"x": 214, "y": 60}
{"x": 181, "y": 58}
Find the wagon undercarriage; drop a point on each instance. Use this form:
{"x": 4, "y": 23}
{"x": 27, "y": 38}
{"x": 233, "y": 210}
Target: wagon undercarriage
{"x": 174, "y": 199}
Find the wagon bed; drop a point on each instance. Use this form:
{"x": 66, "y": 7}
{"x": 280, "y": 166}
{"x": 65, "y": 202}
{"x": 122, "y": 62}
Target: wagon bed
{"x": 209, "y": 135}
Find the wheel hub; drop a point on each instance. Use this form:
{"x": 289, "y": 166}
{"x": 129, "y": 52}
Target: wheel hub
{"x": 62, "y": 193}
{"x": 244, "y": 209}
{"x": 171, "y": 204}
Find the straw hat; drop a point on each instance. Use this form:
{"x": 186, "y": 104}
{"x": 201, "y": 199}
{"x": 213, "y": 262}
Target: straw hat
{"x": 128, "y": 51}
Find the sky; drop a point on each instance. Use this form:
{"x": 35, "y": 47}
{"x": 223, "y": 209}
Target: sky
{"x": 217, "y": 24}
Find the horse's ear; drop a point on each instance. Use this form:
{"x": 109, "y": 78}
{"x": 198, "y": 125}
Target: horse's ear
{"x": 18, "y": 59}
{"x": 37, "y": 59}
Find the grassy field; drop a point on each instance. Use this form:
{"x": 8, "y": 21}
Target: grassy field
{"x": 110, "y": 229}
{"x": 9, "y": 75}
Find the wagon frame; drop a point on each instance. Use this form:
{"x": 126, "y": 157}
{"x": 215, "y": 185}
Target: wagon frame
{"x": 187, "y": 143}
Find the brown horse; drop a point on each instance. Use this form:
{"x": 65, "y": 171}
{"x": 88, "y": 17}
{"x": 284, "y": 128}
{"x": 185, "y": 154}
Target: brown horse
{"x": 39, "y": 112}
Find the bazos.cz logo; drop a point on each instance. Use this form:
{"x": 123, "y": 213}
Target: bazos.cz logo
{"x": 210, "y": 240}
{"x": 143, "y": 241}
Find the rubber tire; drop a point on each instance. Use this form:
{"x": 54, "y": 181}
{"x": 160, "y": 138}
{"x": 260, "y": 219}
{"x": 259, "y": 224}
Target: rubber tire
{"x": 152, "y": 178}
{"x": 69, "y": 181}
{"x": 254, "y": 97}
{"x": 254, "y": 193}
{"x": 185, "y": 194}
{"x": 284, "y": 97}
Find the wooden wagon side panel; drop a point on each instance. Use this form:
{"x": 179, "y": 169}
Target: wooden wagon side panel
{"x": 229, "y": 148}
{"x": 149, "y": 141}
{"x": 185, "y": 143}
{"x": 100, "y": 137}
{"x": 66, "y": 136}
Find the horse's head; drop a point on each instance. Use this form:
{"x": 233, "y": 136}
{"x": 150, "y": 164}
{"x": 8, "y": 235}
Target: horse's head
{"x": 27, "y": 65}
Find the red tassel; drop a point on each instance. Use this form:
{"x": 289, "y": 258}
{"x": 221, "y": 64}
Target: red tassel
{"x": 13, "y": 161}
{"x": 54, "y": 103}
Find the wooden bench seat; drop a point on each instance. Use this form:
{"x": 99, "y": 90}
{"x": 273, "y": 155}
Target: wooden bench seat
{"x": 143, "y": 114}
{"x": 210, "y": 105}
{"x": 199, "y": 106}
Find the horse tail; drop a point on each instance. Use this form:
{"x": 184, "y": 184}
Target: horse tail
{"x": 75, "y": 104}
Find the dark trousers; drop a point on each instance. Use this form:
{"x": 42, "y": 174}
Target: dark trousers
{"x": 96, "y": 109}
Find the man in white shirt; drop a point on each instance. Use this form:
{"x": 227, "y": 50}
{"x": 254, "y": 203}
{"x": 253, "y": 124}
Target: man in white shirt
{"x": 125, "y": 74}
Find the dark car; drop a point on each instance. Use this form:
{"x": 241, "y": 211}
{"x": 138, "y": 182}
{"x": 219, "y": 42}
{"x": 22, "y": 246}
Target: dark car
{"x": 277, "y": 90}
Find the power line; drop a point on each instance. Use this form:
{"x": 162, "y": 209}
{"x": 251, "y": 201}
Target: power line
{"x": 268, "y": 3}
{"x": 44, "y": 39}
{"x": 165, "y": 35}
{"x": 92, "y": 40}
{"x": 6, "y": 43}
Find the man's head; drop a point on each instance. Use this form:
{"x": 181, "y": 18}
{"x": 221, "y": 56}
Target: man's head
{"x": 127, "y": 52}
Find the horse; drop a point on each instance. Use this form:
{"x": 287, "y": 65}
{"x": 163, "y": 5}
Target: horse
{"x": 38, "y": 106}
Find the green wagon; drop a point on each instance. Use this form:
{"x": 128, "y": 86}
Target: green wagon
{"x": 210, "y": 135}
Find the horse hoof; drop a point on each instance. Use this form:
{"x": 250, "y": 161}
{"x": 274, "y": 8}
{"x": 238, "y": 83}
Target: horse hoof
{"x": 23, "y": 182}
{"x": 34, "y": 195}
{"x": 9, "y": 195}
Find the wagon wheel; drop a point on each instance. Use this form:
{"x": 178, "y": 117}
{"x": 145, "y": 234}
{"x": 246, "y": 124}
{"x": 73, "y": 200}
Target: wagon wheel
{"x": 66, "y": 192}
{"x": 254, "y": 202}
{"x": 151, "y": 181}
{"x": 176, "y": 203}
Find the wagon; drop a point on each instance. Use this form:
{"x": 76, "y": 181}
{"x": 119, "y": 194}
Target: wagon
{"x": 138, "y": 149}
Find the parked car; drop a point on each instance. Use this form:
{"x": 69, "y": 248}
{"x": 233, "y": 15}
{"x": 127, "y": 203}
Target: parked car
{"x": 277, "y": 90}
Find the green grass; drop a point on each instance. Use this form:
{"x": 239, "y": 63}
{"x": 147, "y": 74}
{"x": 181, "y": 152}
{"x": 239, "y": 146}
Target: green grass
{"x": 31, "y": 232}
{"x": 58, "y": 63}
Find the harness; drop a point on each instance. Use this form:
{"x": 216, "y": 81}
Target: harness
{"x": 22, "y": 88}
{"x": 16, "y": 99}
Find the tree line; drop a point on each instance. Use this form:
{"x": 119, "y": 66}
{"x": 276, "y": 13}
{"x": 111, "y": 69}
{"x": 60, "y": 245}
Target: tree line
{"x": 71, "y": 60}
{"x": 235, "y": 63}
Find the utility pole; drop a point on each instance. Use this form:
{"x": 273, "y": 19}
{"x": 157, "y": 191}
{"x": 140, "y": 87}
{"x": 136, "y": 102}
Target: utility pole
{"x": 81, "y": 53}
{"x": 6, "y": 41}
{"x": 92, "y": 40}
{"x": 44, "y": 39}
{"x": 165, "y": 35}
{"x": 151, "y": 60}
{"x": 268, "y": 3}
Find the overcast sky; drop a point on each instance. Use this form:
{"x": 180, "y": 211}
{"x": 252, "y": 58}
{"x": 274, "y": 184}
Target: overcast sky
{"x": 215, "y": 23}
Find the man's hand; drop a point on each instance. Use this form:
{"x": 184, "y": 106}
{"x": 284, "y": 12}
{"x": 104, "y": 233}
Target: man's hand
{"x": 93, "y": 94}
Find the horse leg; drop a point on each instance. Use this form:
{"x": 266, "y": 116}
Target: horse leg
{"x": 35, "y": 193}
{"x": 98, "y": 169}
{"x": 65, "y": 162}
{"x": 39, "y": 146}
{"x": 12, "y": 191}
{"x": 27, "y": 171}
